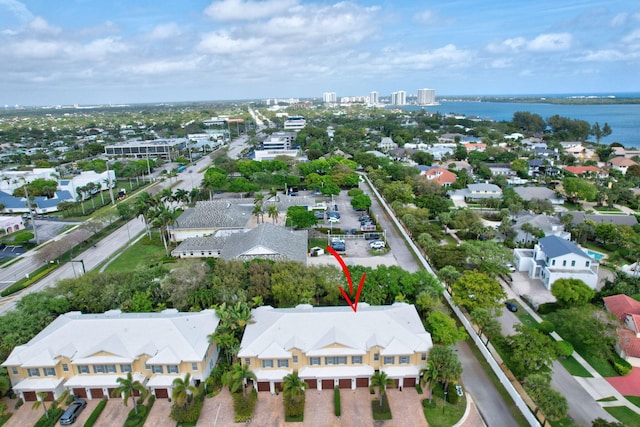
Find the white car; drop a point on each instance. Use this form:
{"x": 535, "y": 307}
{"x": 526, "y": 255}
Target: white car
{"x": 333, "y": 220}
{"x": 459, "y": 391}
{"x": 377, "y": 244}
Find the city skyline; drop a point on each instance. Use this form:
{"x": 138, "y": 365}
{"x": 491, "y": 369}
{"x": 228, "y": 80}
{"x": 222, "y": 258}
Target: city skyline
{"x": 111, "y": 53}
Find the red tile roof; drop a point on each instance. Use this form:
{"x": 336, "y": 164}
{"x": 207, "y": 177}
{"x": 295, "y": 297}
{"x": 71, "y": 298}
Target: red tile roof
{"x": 442, "y": 176}
{"x": 579, "y": 170}
{"x": 621, "y": 305}
{"x": 629, "y": 342}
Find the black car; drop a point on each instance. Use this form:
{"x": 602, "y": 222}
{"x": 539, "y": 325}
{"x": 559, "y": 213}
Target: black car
{"x": 372, "y": 236}
{"x": 511, "y": 306}
{"x": 72, "y": 412}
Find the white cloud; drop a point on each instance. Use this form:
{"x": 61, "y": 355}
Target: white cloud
{"x": 35, "y": 49}
{"x": 240, "y": 10}
{"x": 607, "y": 55}
{"x": 18, "y": 9}
{"x": 431, "y": 18}
{"x": 40, "y": 25}
{"x": 551, "y": 42}
{"x": 163, "y": 67}
{"x": 633, "y": 37}
{"x": 165, "y": 31}
{"x": 223, "y": 43}
{"x": 509, "y": 45}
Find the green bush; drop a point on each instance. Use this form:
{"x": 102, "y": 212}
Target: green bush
{"x": 622, "y": 367}
{"x": 452, "y": 396}
{"x": 95, "y": 414}
{"x": 564, "y": 349}
{"x": 354, "y": 192}
{"x": 22, "y": 237}
{"x": 4, "y": 418}
{"x": 54, "y": 416}
{"x": 243, "y": 406}
{"x": 548, "y": 307}
{"x": 336, "y": 401}
{"x": 419, "y": 388}
{"x": 23, "y": 283}
{"x": 381, "y": 412}
{"x": 137, "y": 420}
{"x": 188, "y": 414}
{"x": 19, "y": 403}
{"x": 294, "y": 408}
{"x": 546, "y": 327}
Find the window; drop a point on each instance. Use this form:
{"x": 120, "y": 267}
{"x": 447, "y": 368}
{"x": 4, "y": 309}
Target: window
{"x": 125, "y": 368}
{"x": 283, "y": 363}
{"x": 389, "y": 360}
{"x": 111, "y": 369}
{"x": 14, "y": 370}
{"x": 83, "y": 369}
{"x": 247, "y": 361}
{"x": 376, "y": 357}
{"x": 586, "y": 264}
{"x": 356, "y": 360}
{"x": 267, "y": 363}
{"x": 157, "y": 369}
{"x": 423, "y": 357}
{"x": 335, "y": 360}
{"x": 295, "y": 360}
{"x": 65, "y": 367}
{"x": 49, "y": 372}
{"x": 33, "y": 372}
{"x": 403, "y": 360}
{"x": 147, "y": 367}
{"x": 172, "y": 369}
{"x": 98, "y": 369}
{"x": 194, "y": 366}
{"x": 553, "y": 262}
{"x": 314, "y": 361}
{"x": 564, "y": 262}
{"x": 573, "y": 263}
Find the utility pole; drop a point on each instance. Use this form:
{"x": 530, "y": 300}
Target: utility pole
{"x": 33, "y": 218}
{"x": 109, "y": 183}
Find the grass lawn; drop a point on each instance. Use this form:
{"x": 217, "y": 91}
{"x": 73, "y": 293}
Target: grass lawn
{"x": 443, "y": 416}
{"x": 565, "y": 422}
{"x": 606, "y": 209}
{"x": 634, "y": 399}
{"x": 601, "y": 366}
{"x": 381, "y": 412}
{"x": 524, "y": 316}
{"x": 450, "y": 240}
{"x": 574, "y": 368}
{"x": 625, "y": 415}
{"x": 144, "y": 252}
{"x": 607, "y": 399}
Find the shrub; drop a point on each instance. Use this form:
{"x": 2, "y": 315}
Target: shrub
{"x": 546, "y": 327}
{"x": 548, "y": 307}
{"x": 564, "y": 349}
{"x": 243, "y": 406}
{"x": 419, "y": 388}
{"x": 22, "y": 237}
{"x": 4, "y": 418}
{"x": 354, "y": 192}
{"x": 622, "y": 367}
{"x": 381, "y": 412}
{"x": 452, "y": 396}
{"x": 95, "y": 414}
{"x": 336, "y": 401}
{"x": 19, "y": 403}
{"x": 188, "y": 414}
{"x": 54, "y": 416}
{"x": 294, "y": 408}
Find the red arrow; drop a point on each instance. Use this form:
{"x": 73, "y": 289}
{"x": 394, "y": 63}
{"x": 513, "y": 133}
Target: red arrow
{"x": 354, "y": 305}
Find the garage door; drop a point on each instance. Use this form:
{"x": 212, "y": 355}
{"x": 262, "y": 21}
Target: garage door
{"x": 97, "y": 393}
{"x": 409, "y": 382}
{"x": 313, "y": 383}
{"x": 327, "y": 384}
{"x": 162, "y": 393}
{"x": 362, "y": 382}
{"x": 80, "y": 392}
{"x": 110, "y": 390}
{"x": 344, "y": 383}
{"x": 30, "y": 396}
{"x": 279, "y": 386}
{"x": 263, "y": 386}
{"x": 396, "y": 383}
{"x": 49, "y": 397}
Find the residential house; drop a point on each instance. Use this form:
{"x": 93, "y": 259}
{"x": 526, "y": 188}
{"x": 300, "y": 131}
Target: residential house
{"x": 87, "y": 353}
{"x": 387, "y": 144}
{"x": 621, "y": 164}
{"x": 617, "y": 219}
{"x": 501, "y": 169}
{"x": 581, "y": 153}
{"x": 555, "y": 258}
{"x": 335, "y": 346}
{"x": 478, "y": 191}
{"x": 475, "y": 146}
{"x": 587, "y": 171}
{"x": 538, "y": 193}
{"x": 550, "y": 226}
{"x": 627, "y": 310}
{"x": 440, "y": 175}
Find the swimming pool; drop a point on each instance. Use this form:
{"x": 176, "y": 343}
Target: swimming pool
{"x": 595, "y": 255}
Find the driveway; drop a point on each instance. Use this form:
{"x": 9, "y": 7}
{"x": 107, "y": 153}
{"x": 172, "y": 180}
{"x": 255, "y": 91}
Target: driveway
{"x": 115, "y": 413}
{"x": 159, "y": 415}
{"x": 628, "y": 385}
{"x": 23, "y": 416}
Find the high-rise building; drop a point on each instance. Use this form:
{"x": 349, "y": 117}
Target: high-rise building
{"x": 426, "y": 96}
{"x": 399, "y": 98}
{"x": 373, "y": 98}
{"x": 329, "y": 97}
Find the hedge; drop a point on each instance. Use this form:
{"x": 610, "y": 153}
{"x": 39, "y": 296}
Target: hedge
{"x": 336, "y": 401}
{"x": 54, "y": 416}
{"x": 622, "y": 367}
{"x": 95, "y": 414}
{"x": 564, "y": 349}
{"x": 5, "y": 418}
{"x": 381, "y": 412}
{"x": 23, "y": 283}
{"x": 137, "y": 420}
{"x": 243, "y": 406}
{"x": 546, "y": 327}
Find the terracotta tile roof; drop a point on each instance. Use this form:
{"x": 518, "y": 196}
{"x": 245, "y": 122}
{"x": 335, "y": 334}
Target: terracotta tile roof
{"x": 579, "y": 170}
{"x": 622, "y": 161}
{"x": 621, "y": 305}
{"x": 442, "y": 176}
{"x": 629, "y": 342}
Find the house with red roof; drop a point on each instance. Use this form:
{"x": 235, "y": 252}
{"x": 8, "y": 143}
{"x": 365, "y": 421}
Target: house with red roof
{"x": 440, "y": 175}
{"x": 627, "y": 310}
{"x": 587, "y": 171}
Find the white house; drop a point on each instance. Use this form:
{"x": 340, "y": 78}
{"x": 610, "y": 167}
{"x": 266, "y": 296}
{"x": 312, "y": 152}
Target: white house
{"x": 10, "y": 224}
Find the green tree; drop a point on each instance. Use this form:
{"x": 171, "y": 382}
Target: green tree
{"x": 41, "y": 396}
{"x": 572, "y": 292}
{"x": 530, "y": 352}
{"x": 300, "y": 217}
{"x": 477, "y": 290}
{"x": 579, "y": 189}
{"x": 129, "y": 388}
{"x": 428, "y": 377}
{"x": 293, "y": 388}
{"x": 361, "y": 202}
{"x": 236, "y": 378}
{"x": 446, "y": 362}
{"x": 183, "y": 391}
{"x": 382, "y": 381}
{"x": 444, "y": 330}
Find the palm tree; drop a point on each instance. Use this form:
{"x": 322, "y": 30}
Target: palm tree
{"x": 237, "y": 377}
{"x": 162, "y": 219}
{"x": 429, "y": 376}
{"x": 90, "y": 187}
{"x": 127, "y": 389}
{"x": 80, "y": 191}
{"x": 273, "y": 213}
{"x": 40, "y": 401}
{"x": 293, "y": 388}
{"x": 381, "y": 380}
{"x": 258, "y": 212}
{"x": 183, "y": 391}
{"x": 181, "y": 196}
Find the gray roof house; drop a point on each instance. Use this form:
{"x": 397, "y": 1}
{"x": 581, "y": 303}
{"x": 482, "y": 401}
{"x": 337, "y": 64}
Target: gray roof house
{"x": 550, "y": 225}
{"x": 540, "y": 193}
{"x": 616, "y": 219}
{"x": 555, "y": 258}
{"x": 209, "y": 217}
{"x": 478, "y": 191}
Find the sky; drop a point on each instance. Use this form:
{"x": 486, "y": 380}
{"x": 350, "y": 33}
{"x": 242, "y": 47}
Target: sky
{"x": 90, "y": 52}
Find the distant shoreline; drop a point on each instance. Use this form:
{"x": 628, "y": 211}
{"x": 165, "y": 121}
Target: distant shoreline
{"x": 568, "y": 100}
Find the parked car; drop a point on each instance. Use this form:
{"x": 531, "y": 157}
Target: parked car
{"x": 372, "y": 236}
{"x": 364, "y": 218}
{"x": 333, "y": 220}
{"x": 377, "y": 244}
{"x": 72, "y": 412}
{"x": 338, "y": 245}
{"x": 510, "y": 267}
{"x": 511, "y": 306}
{"x": 459, "y": 391}
{"x": 333, "y": 214}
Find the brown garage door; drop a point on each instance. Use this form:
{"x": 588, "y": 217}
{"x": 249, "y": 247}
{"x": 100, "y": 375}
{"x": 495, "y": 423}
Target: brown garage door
{"x": 344, "y": 383}
{"x": 96, "y": 393}
{"x": 162, "y": 393}
{"x": 313, "y": 383}
{"x": 409, "y": 382}
{"x": 279, "y": 386}
{"x": 327, "y": 384}
{"x": 263, "y": 386}
{"x": 30, "y": 396}
{"x": 49, "y": 397}
{"x": 362, "y": 382}
{"x": 80, "y": 392}
{"x": 110, "y": 390}
{"x": 396, "y": 382}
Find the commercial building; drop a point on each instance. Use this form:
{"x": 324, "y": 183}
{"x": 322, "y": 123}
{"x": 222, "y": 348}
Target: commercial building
{"x": 164, "y": 148}
{"x": 329, "y": 97}
{"x": 426, "y": 96}
{"x": 399, "y": 98}
{"x": 374, "y": 98}
{"x": 295, "y": 123}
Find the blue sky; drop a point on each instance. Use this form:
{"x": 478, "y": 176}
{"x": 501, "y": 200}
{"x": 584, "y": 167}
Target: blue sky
{"x": 128, "y": 51}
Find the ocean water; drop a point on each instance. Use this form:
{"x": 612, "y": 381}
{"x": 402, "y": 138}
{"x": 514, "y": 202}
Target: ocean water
{"x": 624, "y": 119}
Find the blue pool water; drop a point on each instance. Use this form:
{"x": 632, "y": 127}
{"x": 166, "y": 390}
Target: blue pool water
{"x": 595, "y": 255}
